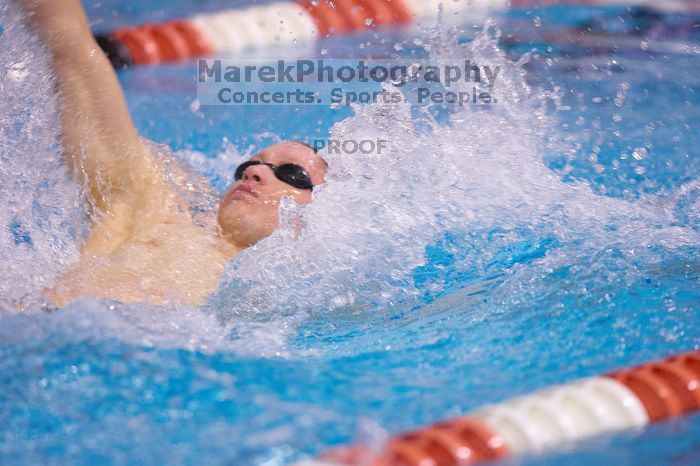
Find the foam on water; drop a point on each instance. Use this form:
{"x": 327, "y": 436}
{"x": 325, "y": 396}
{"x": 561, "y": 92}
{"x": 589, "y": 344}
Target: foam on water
{"x": 478, "y": 174}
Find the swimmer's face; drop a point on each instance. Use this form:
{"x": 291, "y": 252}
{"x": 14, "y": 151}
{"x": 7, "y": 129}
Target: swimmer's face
{"x": 249, "y": 210}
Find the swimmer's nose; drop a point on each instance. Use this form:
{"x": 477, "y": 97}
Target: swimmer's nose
{"x": 253, "y": 177}
{"x": 257, "y": 173}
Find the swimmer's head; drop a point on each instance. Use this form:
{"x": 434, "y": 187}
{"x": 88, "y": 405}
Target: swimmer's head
{"x": 249, "y": 210}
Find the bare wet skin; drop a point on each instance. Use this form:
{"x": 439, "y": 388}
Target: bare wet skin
{"x": 154, "y": 254}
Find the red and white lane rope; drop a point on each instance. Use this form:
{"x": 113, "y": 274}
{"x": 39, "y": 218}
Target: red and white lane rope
{"x": 282, "y": 23}
{"x": 286, "y": 23}
{"x": 543, "y": 420}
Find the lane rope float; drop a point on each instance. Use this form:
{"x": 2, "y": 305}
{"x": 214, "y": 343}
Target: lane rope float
{"x": 288, "y": 23}
{"x": 544, "y": 420}
{"x": 277, "y": 24}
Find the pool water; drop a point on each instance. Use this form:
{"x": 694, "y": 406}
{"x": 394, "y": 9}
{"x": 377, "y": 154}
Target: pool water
{"x": 492, "y": 253}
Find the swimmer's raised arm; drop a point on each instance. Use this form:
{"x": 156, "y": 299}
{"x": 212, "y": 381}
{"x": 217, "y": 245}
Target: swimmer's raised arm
{"x": 99, "y": 139}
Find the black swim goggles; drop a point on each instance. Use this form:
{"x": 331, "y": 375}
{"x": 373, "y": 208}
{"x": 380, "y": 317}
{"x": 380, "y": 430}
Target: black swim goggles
{"x": 289, "y": 173}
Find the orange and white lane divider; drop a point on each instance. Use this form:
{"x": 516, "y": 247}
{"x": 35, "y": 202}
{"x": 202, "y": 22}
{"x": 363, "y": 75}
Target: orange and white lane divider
{"x": 286, "y": 23}
{"x": 543, "y": 420}
{"x": 282, "y": 23}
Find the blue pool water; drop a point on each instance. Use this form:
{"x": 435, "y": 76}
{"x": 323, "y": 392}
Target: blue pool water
{"x": 568, "y": 248}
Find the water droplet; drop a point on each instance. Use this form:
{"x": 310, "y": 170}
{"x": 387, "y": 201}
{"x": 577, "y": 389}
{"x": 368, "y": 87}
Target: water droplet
{"x": 640, "y": 153}
{"x": 17, "y": 72}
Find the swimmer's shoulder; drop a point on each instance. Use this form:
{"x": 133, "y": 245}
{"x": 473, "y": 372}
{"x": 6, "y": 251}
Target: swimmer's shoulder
{"x": 148, "y": 201}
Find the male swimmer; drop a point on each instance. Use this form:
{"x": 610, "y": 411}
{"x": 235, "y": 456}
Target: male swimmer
{"x": 143, "y": 245}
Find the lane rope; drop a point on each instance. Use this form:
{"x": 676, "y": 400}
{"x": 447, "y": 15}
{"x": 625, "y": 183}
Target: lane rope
{"x": 543, "y": 420}
{"x": 287, "y": 23}
{"x": 281, "y": 23}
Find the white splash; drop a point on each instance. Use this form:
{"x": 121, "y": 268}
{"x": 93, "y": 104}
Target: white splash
{"x": 368, "y": 228}
{"x": 41, "y": 215}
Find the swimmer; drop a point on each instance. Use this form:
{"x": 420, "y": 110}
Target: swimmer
{"x": 143, "y": 245}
